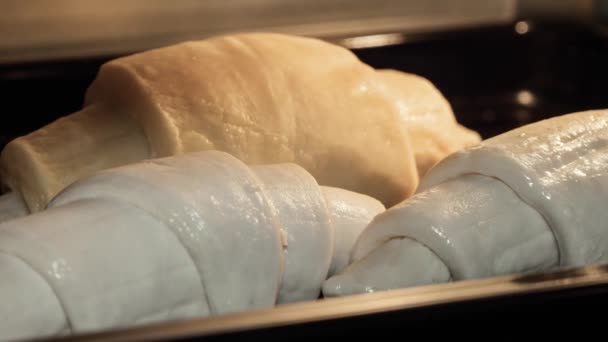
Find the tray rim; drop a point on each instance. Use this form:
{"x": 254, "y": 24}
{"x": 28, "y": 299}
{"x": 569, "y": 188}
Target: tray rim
{"x": 405, "y": 299}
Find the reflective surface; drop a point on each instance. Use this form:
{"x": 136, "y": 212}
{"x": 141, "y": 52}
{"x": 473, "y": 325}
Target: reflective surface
{"x": 513, "y": 305}
{"x": 33, "y": 30}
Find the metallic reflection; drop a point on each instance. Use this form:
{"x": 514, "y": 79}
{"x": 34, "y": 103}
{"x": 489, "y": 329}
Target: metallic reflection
{"x": 373, "y": 41}
{"x": 364, "y": 304}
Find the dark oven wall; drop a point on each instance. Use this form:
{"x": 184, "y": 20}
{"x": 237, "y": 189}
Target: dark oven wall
{"x": 496, "y": 78}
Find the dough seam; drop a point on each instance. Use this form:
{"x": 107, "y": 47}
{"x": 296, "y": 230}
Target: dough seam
{"x": 523, "y": 200}
{"x": 118, "y": 199}
{"x": 68, "y": 320}
{"x": 401, "y": 237}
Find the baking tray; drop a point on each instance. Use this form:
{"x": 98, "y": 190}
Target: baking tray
{"x": 511, "y": 307}
{"x": 496, "y": 78}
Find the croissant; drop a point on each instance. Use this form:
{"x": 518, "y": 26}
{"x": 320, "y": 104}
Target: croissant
{"x": 264, "y": 98}
{"x": 184, "y": 236}
{"x": 528, "y": 200}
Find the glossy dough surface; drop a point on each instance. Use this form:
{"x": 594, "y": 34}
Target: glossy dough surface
{"x": 264, "y": 98}
{"x": 268, "y": 98}
{"x": 219, "y": 212}
{"x": 527, "y": 200}
{"x": 476, "y": 225}
{"x": 350, "y": 213}
{"x": 185, "y": 236}
{"x": 305, "y": 220}
{"x": 559, "y": 167}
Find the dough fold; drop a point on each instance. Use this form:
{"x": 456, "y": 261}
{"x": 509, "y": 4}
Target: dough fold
{"x": 185, "y": 236}
{"x": 527, "y": 200}
{"x": 265, "y": 98}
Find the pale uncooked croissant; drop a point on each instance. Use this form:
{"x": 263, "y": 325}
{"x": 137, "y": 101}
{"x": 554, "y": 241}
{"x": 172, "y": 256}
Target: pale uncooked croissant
{"x": 528, "y": 200}
{"x": 185, "y": 236}
{"x": 262, "y": 97}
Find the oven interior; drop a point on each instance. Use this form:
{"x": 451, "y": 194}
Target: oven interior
{"x": 496, "y": 77}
